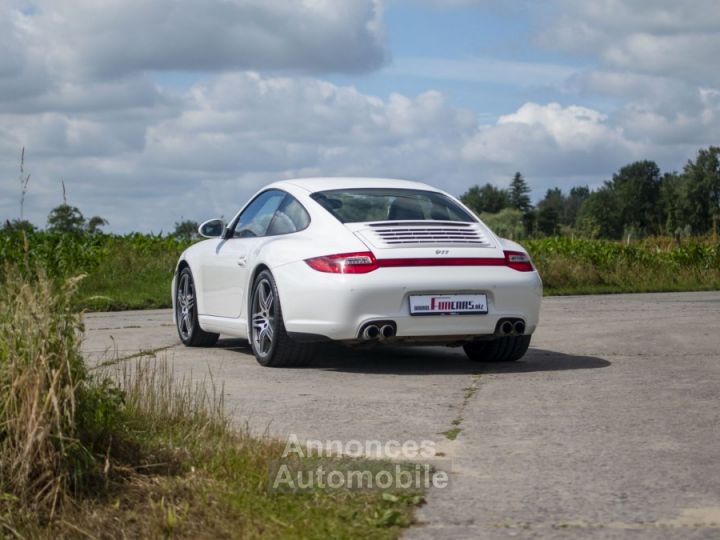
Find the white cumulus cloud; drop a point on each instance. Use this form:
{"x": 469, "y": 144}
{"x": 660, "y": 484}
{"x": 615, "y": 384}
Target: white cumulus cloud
{"x": 552, "y": 141}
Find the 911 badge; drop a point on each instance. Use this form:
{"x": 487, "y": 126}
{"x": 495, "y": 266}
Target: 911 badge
{"x": 448, "y": 304}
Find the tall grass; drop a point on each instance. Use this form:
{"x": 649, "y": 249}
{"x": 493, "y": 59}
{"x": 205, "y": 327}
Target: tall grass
{"x": 155, "y": 398}
{"x": 65, "y": 431}
{"x": 41, "y": 372}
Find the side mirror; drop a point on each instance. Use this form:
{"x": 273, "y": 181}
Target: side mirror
{"x": 212, "y": 228}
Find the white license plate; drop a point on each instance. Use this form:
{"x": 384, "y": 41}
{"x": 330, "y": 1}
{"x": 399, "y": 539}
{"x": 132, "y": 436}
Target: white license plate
{"x": 448, "y": 304}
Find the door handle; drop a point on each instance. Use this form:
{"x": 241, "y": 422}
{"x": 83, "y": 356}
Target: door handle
{"x": 242, "y": 260}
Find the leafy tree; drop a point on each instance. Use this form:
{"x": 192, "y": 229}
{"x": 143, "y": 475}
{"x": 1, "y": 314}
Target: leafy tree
{"x": 19, "y": 225}
{"x": 557, "y": 209}
{"x": 637, "y": 187}
{"x": 551, "y": 211}
{"x": 508, "y": 223}
{"x": 702, "y": 187}
{"x": 66, "y": 219}
{"x": 548, "y": 220}
{"x": 529, "y": 220}
{"x": 69, "y": 219}
{"x": 95, "y": 223}
{"x": 487, "y": 198}
{"x": 519, "y": 194}
{"x": 673, "y": 202}
{"x": 600, "y": 214}
{"x": 573, "y": 202}
{"x": 186, "y": 229}
{"x": 630, "y": 201}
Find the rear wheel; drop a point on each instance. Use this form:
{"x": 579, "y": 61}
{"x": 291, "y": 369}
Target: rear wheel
{"x": 186, "y": 318}
{"x": 504, "y": 349}
{"x": 269, "y": 341}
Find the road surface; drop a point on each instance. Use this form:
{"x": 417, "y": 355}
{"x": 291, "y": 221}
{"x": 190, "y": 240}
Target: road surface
{"x": 608, "y": 428}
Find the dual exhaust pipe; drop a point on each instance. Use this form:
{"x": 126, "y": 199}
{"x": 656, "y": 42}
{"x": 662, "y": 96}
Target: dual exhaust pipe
{"x": 381, "y": 330}
{"x": 510, "y": 327}
{"x": 386, "y": 329}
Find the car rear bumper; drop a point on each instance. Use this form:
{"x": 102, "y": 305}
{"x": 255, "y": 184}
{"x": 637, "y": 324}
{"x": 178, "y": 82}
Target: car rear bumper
{"x": 337, "y": 306}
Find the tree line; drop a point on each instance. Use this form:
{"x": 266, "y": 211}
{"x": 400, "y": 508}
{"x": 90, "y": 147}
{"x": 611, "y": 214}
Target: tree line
{"x": 638, "y": 200}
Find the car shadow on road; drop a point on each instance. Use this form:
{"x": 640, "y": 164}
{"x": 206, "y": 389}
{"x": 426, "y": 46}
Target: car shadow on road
{"x": 430, "y": 360}
{"x": 443, "y": 360}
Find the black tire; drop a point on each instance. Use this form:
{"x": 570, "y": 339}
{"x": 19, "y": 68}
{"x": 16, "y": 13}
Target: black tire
{"x": 504, "y": 349}
{"x": 269, "y": 341}
{"x": 186, "y": 318}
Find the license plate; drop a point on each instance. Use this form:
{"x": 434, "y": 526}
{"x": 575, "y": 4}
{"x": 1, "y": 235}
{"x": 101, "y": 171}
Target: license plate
{"x": 448, "y": 304}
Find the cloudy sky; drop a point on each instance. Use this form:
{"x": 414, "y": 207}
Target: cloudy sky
{"x": 153, "y": 110}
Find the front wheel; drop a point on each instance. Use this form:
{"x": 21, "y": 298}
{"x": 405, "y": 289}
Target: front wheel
{"x": 269, "y": 341}
{"x": 186, "y": 318}
{"x": 504, "y": 349}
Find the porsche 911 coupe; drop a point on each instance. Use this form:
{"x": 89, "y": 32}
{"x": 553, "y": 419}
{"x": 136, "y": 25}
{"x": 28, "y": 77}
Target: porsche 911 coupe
{"x": 356, "y": 261}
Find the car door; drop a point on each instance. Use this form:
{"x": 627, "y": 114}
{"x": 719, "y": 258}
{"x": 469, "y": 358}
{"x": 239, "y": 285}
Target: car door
{"x": 226, "y": 271}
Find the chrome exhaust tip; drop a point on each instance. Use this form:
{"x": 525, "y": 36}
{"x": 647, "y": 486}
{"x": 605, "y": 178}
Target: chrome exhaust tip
{"x": 506, "y": 327}
{"x": 519, "y": 327}
{"x": 387, "y": 331}
{"x": 371, "y": 332}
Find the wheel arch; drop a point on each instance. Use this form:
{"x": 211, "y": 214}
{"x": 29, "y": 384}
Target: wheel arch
{"x": 259, "y": 268}
{"x": 182, "y": 263}
{"x": 181, "y": 266}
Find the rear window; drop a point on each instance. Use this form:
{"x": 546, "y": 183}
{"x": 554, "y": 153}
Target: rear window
{"x": 373, "y": 204}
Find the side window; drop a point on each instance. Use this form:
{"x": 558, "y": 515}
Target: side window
{"x": 289, "y": 218}
{"x": 255, "y": 219}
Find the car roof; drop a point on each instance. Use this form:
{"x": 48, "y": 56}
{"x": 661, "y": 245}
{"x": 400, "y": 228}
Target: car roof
{"x": 343, "y": 182}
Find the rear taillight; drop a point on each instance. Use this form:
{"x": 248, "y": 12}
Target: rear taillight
{"x": 344, "y": 263}
{"x": 517, "y": 260}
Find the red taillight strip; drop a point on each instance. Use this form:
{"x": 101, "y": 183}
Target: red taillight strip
{"x": 514, "y": 259}
{"x": 364, "y": 262}
{"x": 449, "y": 261}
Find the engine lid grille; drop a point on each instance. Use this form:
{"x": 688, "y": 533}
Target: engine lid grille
{"x": 423, "y": 233}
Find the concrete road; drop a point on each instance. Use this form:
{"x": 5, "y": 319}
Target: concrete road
{"x": 608, "y": 428}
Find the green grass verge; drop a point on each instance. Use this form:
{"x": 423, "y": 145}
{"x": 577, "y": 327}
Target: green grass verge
{"x": 195, "y": 482}
{"x": 177, "y": 470}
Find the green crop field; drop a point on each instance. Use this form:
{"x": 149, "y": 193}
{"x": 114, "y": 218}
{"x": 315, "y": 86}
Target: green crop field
{"x": 121, "y": 272}
{"x": 134, "y": 271}
{"x": 580, "y": 266}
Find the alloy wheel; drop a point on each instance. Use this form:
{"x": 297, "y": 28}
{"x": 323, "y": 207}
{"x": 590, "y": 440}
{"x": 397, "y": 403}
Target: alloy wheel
{"x": 263, "y": 318}
{"x": 185, "y": 305}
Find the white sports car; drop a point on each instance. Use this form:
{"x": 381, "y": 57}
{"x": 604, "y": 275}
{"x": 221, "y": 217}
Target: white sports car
{"x": 356, "y": 260}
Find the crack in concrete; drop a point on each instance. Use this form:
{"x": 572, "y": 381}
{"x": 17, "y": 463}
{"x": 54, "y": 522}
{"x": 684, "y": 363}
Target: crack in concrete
{"x": 469, "y": 392}
{"x": 150, "y": 353}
